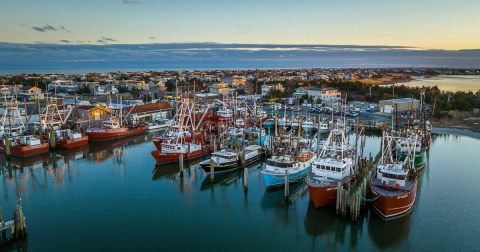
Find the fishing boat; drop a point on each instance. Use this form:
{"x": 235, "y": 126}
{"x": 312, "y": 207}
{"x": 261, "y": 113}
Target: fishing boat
{"x": 334, "y": 164}
{"x": 113, "y": 129}
{"x": 225, "y": 161}
{"x": 323, "y": 126}
{"x": 15, "y": 140}
{"x": 51, "y": 119}
{"x": 309, "y": 126}
{"x": 420, "y": 149}
{"x": 224, "y": 115}
{"x": 171, "y": 150}
{"x": 172, "y": 132}
{"x": 159, "y": 123}
{"x": 394, "y": 187}
{"x": 269, "y": 123}
{"x": 274, "y": 170}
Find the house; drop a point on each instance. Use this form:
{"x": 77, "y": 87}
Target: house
{"x": 301, "y": 91}
{"x": 266, "y": 88}
{"x": 32, "y": 93}
{"x": 5, "y": 93}
{"x": 152, "y": 84}
{"x": 327, "y": 95}
{"x": 65, "y": 86}
{"x": 238, "y": 82}
{"x": 157, "y": 92}
{"x": 148, "y": 112}
{"x": 220, "y": 88}
{"x": 111, "y": 89}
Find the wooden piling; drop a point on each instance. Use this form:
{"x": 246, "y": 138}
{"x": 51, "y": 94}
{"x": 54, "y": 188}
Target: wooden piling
{"x": 212, "y": 170}
{"x": 245, "y": 179}
{"x": 339, "y": 197}
{"x": 243, "y": 157}
{"x": 4, "y": 233}
{"x": 180, "y": 161}
{"x": 287, "y": 185}
{"x": 214, "y": 144}
{"x": 188, "y": 152}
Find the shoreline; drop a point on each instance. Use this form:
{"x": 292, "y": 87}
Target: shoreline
{"x": 457, "y": 131}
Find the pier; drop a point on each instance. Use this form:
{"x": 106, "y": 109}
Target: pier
{"x": 352, "y": 199}
{"x": 17, "y": 225}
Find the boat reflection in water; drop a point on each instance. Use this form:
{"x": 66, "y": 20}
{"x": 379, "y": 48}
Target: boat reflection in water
{"x": 389, "y": 233}
{"x": 229, "y": 178}
{"x": 99, "y": 152}
{"x": 15, "y": 245}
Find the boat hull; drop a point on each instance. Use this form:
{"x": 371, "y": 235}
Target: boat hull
{"x": 165, "y": 158}
{"x": 71, "y": 143}
{"x": 324, "y": 195}
{"x": 25, "y": 151}
{"x": 277, "y": 180}
{"x": 230, "y": 166}
{"x": 100, "y": 135}
{"x": 393, "y": 205}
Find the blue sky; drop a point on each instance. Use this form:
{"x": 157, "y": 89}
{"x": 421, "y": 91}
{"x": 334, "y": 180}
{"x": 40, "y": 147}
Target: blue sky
{"x": 415, "y": 32}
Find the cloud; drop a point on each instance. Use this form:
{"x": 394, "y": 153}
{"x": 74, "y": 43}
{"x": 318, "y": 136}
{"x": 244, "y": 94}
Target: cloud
{"x": 151, "y": 38}
{"x": 78, "y": 41}
{"x": 48, "y": 28}
{"x": 220, "y": 56}
{"x": 44, "y": 29}
{"x": 131, "y": 2}
{"x": 108, "y": 39}
{"x": 65, "y": 41}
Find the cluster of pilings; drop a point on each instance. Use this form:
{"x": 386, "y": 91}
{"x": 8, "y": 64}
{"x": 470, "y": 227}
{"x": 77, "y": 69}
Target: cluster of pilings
{"x": 17, "y": 224}
{"x": 351, "y": 200}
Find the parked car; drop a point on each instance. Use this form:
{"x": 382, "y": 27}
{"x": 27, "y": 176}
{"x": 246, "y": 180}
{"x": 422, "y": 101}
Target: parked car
{"x": 354, "y": 114}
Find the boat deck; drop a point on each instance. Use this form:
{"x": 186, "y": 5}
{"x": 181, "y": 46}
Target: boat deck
{"x": 395, "y": 192}
{"x": 320, "y": 181}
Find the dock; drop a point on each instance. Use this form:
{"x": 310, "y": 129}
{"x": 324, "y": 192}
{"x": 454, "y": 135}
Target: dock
{"x": 17, "y": 225}
{"x": 352, "y": 199}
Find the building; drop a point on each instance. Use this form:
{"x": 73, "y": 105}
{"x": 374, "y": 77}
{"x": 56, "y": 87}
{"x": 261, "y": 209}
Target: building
{"x": 301, "y": 91}
{"x": 32, "y": 93}
{"x": 66, "y": 86}
{"x": 266, "y": 88}
{"x": 220, "y": 88}
{"x": 327, "y": 95}
{"x": 403, "y": 104}
{"x": 238, "y": 82}
{"x": 148, "y": 112}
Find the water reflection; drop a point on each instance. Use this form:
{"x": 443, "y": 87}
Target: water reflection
{"x": 19, "y": 244}
{"x": 99, "y": 152}
{"x": 388, "y": 234}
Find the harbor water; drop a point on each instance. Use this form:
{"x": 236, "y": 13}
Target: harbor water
{"x": 112, "y": 197}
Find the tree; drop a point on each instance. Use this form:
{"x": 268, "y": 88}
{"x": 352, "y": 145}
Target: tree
{"x": 170, "y": 85}
{"x": 319, "y": 101}
{"x": 303, "y": 98}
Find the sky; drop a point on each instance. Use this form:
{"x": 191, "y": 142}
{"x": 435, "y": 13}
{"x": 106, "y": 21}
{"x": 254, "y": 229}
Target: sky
{"x": 428, "y": 32}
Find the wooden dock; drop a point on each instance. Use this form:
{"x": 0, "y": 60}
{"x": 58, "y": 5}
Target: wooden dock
{"x": 352, "y": 199}
{"x": 17, "y": 224}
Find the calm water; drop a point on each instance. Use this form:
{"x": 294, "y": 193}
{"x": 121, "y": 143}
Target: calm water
{"x": 111, "y": 197}
{"x": 449, "y": 82}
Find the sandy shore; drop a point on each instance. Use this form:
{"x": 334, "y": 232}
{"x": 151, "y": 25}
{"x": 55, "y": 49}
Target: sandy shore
{"x": 460, "y": 132}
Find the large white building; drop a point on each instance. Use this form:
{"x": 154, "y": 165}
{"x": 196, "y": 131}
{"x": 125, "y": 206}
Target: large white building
{"x": 327, "y": 95}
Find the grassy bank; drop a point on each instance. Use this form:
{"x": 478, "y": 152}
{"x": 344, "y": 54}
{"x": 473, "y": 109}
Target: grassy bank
{"x": 460, "y": 120}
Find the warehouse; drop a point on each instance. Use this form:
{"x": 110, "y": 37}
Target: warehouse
{"x": 402, "y": 104}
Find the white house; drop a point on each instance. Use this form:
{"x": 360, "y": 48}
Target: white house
{"x": 327, "y": 95}
{"x": 266, "y": 88}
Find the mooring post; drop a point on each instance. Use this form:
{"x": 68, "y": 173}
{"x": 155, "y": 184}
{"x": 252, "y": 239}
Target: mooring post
{"x": 180, "y": 161}
{"x": 243, "y": 157}
{"x": 188, "y": 152}
{"x": 245, "y": 179}
{"x": 4, "y": 233}
{"x": 287, "y": 185}
{"x": 212, "y": 170}
{"x": 339, "y": 197}
{"x": 214, "y": 144}
{"x": 364, "y": 191}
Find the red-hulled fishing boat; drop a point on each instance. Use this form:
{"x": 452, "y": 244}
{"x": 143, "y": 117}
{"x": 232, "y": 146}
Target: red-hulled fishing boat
{"x": 67, "y": 139}
{"x": 171, "y": 150}
{"x": 394, "y": 187}
{"x": 13, "y": 138}
{"x": 335, "y": 164}
{"x": 112, "y": 129}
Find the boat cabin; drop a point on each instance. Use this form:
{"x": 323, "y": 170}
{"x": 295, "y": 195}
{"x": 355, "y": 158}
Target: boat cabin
{"x": 392, "y": 174}
{"x": 111, "y": 124}
{"x": 334, "y": 168}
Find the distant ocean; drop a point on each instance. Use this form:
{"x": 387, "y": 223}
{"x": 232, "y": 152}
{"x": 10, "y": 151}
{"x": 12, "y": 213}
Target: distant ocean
{"x": 81, "y": 70}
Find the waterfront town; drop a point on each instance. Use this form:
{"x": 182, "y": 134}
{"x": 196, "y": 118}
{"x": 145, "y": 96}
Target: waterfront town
{"x": 294, "y": 128}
